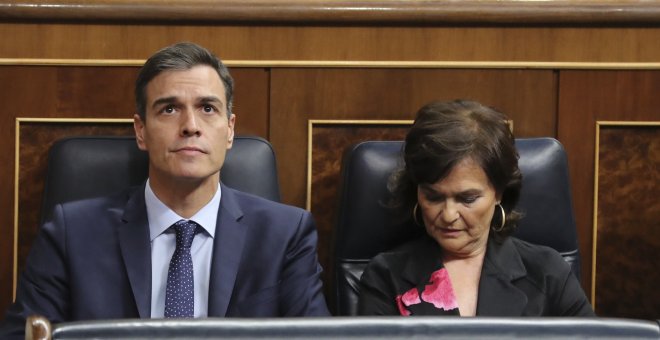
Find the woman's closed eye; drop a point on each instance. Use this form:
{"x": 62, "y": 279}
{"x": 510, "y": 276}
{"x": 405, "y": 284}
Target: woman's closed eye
{"x": 468, "y": 199}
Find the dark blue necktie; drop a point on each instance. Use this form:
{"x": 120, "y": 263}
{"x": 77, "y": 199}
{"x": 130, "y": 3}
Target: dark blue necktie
{"x": 180, "y": 292}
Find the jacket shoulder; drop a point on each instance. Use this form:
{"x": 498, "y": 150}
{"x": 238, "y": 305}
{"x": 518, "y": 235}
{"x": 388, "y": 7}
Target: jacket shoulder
{"x": 118, "y": 197}
{"x": 543, "y": 264}
{"x": 538, "y": 256}
{"x": 256, "y": 204}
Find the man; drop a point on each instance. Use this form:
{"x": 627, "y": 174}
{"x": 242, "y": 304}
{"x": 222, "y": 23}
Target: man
{"x": 182, "y": 244}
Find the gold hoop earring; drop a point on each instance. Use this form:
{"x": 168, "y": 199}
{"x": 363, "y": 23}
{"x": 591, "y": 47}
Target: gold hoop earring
{"x": 415, "y": 214}
{"x": 503, "y": 219}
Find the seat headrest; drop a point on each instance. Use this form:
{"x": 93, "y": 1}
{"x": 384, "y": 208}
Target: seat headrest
{"x": 365, "y": 223}
{"x": 90, "y": 166}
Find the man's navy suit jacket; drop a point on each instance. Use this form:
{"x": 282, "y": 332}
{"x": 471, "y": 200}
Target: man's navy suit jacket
{"x": 92, "y": 260}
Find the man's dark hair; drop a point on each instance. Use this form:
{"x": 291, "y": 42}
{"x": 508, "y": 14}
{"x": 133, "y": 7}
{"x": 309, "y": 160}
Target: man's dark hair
{"x": 180, "y": 56}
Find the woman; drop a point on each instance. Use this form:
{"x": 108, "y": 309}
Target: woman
{"x": 461, "y": 183}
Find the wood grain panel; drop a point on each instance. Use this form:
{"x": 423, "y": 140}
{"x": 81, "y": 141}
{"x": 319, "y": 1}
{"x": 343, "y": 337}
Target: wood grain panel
{"x": 320, "y": 11}
{"x": 584, "y": 98}
{"x": 628, "y": 220}
{"x": 328, "y": 143}
{"x": 89, "y": 92}
{"x": 339, "y": 43}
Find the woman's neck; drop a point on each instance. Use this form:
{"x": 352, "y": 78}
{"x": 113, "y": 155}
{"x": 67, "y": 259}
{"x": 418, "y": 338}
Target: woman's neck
{"x": 465, "y": 273}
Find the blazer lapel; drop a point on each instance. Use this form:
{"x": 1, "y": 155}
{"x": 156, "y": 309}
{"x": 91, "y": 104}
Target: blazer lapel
{"x": 498, "y": 296}
{"x": 230, "y": 236}
{"x": 424, "y": 260}
{"x": 135, "y": 248}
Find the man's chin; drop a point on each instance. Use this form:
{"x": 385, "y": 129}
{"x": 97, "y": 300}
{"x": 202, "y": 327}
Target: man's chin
{"x": 195, "y": 176}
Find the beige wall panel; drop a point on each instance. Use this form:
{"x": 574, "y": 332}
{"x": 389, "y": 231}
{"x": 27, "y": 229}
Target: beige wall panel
{"x": 114, "y": 41}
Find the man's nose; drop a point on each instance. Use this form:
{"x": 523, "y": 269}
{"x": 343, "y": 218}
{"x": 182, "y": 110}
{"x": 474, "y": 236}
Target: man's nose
{"x": 189, "y": 126}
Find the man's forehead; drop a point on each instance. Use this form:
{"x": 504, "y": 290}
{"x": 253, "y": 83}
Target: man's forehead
{"x": 202, "y": 82}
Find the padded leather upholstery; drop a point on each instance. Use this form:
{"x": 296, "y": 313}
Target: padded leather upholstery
{"x": 90, "y": 166}
{"x": 365, "y": 226}
{"x": 362, "y": 327}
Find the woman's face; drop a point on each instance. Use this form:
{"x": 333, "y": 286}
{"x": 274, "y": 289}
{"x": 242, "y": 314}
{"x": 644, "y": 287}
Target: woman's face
{"x": 457, "y": 210}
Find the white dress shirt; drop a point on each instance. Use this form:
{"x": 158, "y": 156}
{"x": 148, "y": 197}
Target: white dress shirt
{"x": 163, "y": 244}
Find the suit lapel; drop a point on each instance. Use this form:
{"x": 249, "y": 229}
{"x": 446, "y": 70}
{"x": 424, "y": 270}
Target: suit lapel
{"x": 498, "y": 296}
{"x": 227, "y": 252}
{"x": 135, "y": 248}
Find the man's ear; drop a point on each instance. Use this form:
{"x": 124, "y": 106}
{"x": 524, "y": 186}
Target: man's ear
{"x": 230, "y": 133}
{"x": 138, "y": 126}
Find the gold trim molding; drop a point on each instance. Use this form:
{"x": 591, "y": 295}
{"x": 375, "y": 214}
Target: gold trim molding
{"x": 594, "y": 234}
{"x": 19, "y": 121}
{"x": 535, "y": 65}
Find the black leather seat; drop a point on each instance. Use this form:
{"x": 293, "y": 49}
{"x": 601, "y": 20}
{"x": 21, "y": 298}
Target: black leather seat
{"x": 365, "y": 227}
{"x": 90, "y": 166}
{"x": 360, "y": 328}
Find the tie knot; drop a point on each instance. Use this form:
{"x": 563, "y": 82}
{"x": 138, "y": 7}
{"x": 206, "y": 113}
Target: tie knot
{"x": 185, "y": 232}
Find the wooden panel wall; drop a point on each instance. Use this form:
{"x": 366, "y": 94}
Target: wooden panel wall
{"x": 527, "y": 96}
{"x": 555, "y": 73}
{"x": 586, "y": 97}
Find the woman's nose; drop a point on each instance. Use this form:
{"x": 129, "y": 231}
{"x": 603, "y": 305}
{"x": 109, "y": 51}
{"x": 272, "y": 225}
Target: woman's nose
{"x": 449, "y": 213}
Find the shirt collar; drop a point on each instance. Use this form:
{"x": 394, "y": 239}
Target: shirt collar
{"x": 161, "y": 217}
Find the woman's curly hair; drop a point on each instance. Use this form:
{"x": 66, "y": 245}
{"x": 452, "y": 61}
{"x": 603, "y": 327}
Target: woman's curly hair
{"x": 444, "y": 133}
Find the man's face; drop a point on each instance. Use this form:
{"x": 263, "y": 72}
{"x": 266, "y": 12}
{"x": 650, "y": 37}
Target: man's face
{"x": 187, "y": 132}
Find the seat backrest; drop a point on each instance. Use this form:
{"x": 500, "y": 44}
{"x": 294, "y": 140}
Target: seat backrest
{"x": 91, "y": 166}
{"x": 365, "y": 225}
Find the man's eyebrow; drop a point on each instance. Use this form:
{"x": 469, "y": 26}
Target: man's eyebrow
{"x": 164, "y": 100}
{"x": 173, "y": 99}
{"x": 210, "y": 99}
